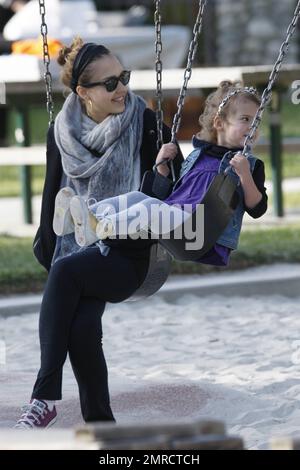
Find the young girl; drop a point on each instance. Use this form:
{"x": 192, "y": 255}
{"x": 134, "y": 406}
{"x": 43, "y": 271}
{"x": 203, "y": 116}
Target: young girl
{"x": 225, "y": 123}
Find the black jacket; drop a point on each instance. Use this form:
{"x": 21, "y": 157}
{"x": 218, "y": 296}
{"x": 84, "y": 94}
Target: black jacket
{"x": 45, "y": 239}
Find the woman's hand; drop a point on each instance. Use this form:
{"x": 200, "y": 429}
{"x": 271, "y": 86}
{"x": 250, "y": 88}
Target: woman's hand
{"x": 167, "y": 152}
{"x": 240, "y": 165}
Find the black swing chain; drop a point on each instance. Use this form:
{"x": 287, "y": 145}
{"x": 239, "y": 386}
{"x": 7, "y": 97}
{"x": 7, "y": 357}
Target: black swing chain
{"x": 158, "y": 68}
{"x": 188, "y": 70}
{"x": 158, "y": 94}
{"x": 187, "y": 75}
{"x": 267, "y": 93}
{"x": 46, "y": 59}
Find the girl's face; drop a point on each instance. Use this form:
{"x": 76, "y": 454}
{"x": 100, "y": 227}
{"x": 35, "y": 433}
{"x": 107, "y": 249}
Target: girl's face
{"x": 99, "y": 102}
{"x": 232, "y": 131}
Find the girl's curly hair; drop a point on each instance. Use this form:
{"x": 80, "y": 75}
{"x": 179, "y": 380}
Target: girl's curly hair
{"x": 206, "y": 120}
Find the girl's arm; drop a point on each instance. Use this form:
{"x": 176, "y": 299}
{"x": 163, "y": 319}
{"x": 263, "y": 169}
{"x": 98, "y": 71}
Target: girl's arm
{"x": 255, "y": 197}
{"x": 259, "y": 180}
{"x": 252, "y": 196}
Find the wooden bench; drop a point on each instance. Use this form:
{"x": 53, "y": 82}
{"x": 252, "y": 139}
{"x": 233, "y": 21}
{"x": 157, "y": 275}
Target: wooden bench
{"x": 194, "y": 435}
{"x": 18, "y": 156}
{"x": 285, "y": 443}
{"x": 176, "y": 436}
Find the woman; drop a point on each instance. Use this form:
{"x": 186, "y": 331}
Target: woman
{"x": 103, "y": 141}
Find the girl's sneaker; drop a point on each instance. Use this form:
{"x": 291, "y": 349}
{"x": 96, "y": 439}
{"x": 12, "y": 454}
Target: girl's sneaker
{"x": 36, "y": 415}
{"x": 62, "y": 220}
{"x": 84, "y": 222}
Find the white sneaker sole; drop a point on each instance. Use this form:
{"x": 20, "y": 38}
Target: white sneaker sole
{"x": 62, "y": 220}
{"x": 84, "y": 235}
{"x": 29, "y": 428}
{"x": 51, "y": 422}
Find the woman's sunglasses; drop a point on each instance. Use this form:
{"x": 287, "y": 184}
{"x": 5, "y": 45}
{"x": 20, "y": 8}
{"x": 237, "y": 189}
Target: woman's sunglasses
{"x": 112, "y": 82}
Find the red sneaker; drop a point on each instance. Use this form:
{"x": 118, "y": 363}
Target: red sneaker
{"x": 36, "y": 415}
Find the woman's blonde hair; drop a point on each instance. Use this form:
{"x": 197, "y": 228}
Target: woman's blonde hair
{"x": 212, "y": 107}
{"x": 66, "y": 58}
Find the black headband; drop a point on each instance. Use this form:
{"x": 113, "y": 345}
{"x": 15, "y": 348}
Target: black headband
{"x": 84, "y": 57}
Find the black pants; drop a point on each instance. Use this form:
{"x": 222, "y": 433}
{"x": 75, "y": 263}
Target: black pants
{"x": 76, "y": 291}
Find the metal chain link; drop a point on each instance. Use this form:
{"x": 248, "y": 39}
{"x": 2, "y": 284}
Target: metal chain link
{"x": 46, "y": 58}
{"x": 158, "y": 68}
{"x": 188, "y": 69}
{"x": 267, "y": 94}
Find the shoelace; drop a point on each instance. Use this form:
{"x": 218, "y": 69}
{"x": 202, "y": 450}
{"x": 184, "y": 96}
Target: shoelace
{"x": 29, "y": 418}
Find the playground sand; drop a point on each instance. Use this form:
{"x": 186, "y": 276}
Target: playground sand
{"x": 232, "y": 359}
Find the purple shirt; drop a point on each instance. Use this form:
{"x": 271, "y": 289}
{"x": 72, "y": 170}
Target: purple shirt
{"x": 191, "y": 190}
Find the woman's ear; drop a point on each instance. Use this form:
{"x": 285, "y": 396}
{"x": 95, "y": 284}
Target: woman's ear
{"x": 82, "y": 92}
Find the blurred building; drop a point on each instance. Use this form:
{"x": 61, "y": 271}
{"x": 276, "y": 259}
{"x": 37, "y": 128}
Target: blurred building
{"x": 235, "y": 32}
{"x": 251, "y": 31}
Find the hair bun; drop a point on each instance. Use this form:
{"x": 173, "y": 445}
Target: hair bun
{"x": 63, "y": 54}
{"x": 67, "y": 50}
{"x": 226, "y": 84}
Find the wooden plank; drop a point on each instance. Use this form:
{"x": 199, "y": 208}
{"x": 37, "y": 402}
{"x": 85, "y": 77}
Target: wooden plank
{"x": 209, "y": 442}
{"x": 48, "y": 439}
{"x": 36, "y": 155}
{"x": 258, "y": 75}
{"x": 202, "y": 78}
{"x": 159, "y": 442}
{"x": 108, "y": 431}
{"x": 285, "y": 443}
{"x": 163, "y": 442}
{"x": 15, "y": 156}
{"x": 194, "y": 435}
{"x": 210, "y": 77}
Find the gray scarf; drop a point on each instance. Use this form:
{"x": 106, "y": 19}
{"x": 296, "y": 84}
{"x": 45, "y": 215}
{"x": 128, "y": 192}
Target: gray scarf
{"x": 100, "y": 160}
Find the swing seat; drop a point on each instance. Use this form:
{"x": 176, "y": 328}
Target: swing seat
{"x": 220, "y": 201}
{"x": 156, "y": 185}
{"x": 160, "y": 262}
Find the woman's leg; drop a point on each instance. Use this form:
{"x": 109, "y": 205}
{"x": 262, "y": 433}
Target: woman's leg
{"x": 88, "y": 361}
{"x": 87, "y": 274}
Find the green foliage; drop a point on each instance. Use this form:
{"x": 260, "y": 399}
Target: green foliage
{"x": 10, "y": 183}
{"x": 20, "y": 272}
